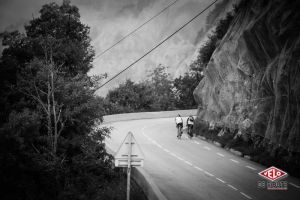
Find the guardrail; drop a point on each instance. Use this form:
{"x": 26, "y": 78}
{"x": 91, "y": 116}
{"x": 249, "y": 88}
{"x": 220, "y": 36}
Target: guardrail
{"x": 148, "y": 115}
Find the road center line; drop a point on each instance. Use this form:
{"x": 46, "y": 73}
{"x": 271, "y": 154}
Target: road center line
{"x": 248, "y": 197}
{"x": 220, "y": 180}
{"x": 234, "y": 161}
{"x": 187, "y": 162}
{"x": 208, "y": 173}
{"x": 293, "y": 184}
{"x": 198, "y": 168}
{"x": 179, "y": 158}
{"x": 232, "y": 187}
{"x": 250, "y": 167}
{"x": 220, "y": 154}
{"x": 173, "y": 155}
{"x": 166, "y": 150}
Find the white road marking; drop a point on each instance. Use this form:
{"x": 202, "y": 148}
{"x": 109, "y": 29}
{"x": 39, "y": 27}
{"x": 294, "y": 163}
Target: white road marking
{"x": 234, "y": 161}
{"x": 173, "y": 154}
{"x": 198, "y": 168}
{"x": 232, "y": 187}
{"x": 293, "y": 184}
{"x": 180, "y": 158}
{"x": 220, "y": 154}
{"x": 220, "y": 180}
{"x": 250, "y": 167}
{"x": 205, "y": 147}
{"x": 187, "y": 162}
{"x": 208, "y": 173}
{"x": 166, "y": 150}
{"x": 248, "y": 197}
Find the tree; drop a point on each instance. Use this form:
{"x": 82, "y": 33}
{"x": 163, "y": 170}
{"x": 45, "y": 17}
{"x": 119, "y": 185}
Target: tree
{"x": 51, "y": 145}
{"x": 184, "y": 87}
{"x": 213, "y": 40}
{"x": 130, "y": 97}
{"x": 71, "y": 43}
{"x": 162, "y": 88}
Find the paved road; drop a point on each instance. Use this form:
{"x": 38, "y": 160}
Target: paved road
{"x": 195, "y": 169}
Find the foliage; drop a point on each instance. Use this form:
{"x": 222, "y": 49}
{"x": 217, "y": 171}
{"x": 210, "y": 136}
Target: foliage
{"x": 129, "y": 97}
{"x": 51, "y": 143}
{"x": 162, "y": 88}
{"x": 184, "y": 87}
{"x": 154, "y": 94}
{"x": 213, "y": 40}
{"x": 68, "y": 36}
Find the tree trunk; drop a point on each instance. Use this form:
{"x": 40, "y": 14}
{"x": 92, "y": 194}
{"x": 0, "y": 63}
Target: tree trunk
{"x": 54, "y": 115}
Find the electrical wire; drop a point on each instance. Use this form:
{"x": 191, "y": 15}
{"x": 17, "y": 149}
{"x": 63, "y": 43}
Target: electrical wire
{"x": 136, "y": 29}
{"x": 156, "y": 46}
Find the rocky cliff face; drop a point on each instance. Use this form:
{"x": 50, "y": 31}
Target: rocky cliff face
{"x": 254, "y": 73}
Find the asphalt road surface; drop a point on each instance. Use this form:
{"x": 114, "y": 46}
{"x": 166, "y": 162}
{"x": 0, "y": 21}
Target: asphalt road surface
{"x": 193, "y": 168}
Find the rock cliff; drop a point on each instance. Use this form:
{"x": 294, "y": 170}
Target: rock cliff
{"x": 254, "y": 74}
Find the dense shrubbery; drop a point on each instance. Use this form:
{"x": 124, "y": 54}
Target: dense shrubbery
{"x": 157, "y": 93}
{"x": 50, "y": 144}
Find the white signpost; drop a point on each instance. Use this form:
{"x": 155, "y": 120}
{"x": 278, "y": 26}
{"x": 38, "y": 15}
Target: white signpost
{"x": 129, "y": 155}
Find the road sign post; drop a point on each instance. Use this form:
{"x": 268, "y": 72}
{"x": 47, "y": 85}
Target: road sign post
{"x": 129, "y": 165}
{"x": 129, "y": 155}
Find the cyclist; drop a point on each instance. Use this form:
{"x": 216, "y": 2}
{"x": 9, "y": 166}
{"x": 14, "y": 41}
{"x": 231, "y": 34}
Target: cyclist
{"x": 190, "y": 125}
{"x": 179, "y": 125}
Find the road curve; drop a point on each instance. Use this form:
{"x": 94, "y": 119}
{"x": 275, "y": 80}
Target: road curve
{"x": 195, "y": 169}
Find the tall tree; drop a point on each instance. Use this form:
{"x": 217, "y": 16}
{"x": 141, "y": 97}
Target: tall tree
{"x": 71, "y": 42}
{"x": 184, "y": 88}
{"x": 50, "y": 143}
{"x": 162, "y": 87}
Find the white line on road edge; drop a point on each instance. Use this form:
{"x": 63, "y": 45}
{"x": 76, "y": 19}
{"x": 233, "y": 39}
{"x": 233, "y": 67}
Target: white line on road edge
{"x": 234, "y": 161}
{"x": 187, "y": 162}
{"x": 173, "y": 154}
{"x": 293, "y": 184}
{"x": 232, "y": 187}
{"x": 248, "y": 197}
{"x": 250, "y": 167}
{"x": 205, "y": 147}
{"x": 196, "y": 142}
{"x": 220, "y": 154}
{"x": 220, "y": 180}
{"x": 208, "y": 173}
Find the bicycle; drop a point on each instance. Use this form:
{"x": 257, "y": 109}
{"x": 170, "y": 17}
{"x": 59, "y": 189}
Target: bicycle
{"x": 190, "y": 130}
{"x": 179, "y": 130}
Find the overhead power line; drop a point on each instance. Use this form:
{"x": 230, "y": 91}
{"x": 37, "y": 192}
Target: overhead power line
{"x": 159, "y": 44}
{"x": 136, "y": 29}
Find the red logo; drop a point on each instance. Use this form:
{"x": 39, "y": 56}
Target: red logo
{"x": 272, "y": 174}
